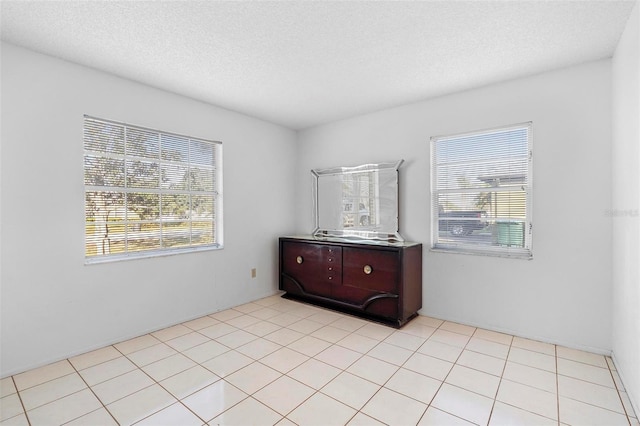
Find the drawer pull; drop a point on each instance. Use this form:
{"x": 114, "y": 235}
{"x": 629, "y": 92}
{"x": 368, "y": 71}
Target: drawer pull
{"x": 367, "y": 269}
{"x": 299, "y": 259}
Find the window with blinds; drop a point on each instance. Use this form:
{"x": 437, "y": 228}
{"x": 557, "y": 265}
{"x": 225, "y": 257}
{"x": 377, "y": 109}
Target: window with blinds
{"x": 148, "y": 192}
{"x": 481, "y": 192}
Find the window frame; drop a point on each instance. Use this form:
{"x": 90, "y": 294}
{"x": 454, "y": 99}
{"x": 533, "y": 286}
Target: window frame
{"x": 525, "y": 252}
{"x": 216, "y": 221}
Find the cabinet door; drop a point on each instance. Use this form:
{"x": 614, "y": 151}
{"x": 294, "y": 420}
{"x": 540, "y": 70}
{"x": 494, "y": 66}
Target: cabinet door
{"x": 375, "y": 270}
{"x": 314, "y": 268}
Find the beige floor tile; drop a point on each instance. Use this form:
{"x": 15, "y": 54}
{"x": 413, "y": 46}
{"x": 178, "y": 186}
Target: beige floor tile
{"x": 305, "y": 326}
{"x": 473, "y": 380}
{"x": 418, "y": 330}
{"x": 213, "y": 400}
{"x": 375, "y": 331}
{"x": 504, "y": 414}
{"x": 168, "y": 367}
{"x": 534, "y": 345}
{"x": 530, "y": 376}
{"x": 173, "y": 415}
{"x": 253, "y": 377}
{"x": 43, "y": 374}
{"x": 136, "y": 344}
{"x": 236, "y": 338}
{"x": 200, "y": 323}
{"x": 121, "y": 386}
{"x": 529, "y": 398}
{"x": 284, "y": 336}
{"x": 363, "y": 420}
{"x": 151, "y": 354}
{"x": 189, "y": 381}
{"x": 464, "y": 404}
{"x": 428, "y": 366}
{"x": 404, "y": 411}
{"x": 217, "y": 330}
{"x": 309, "y": 345}
{"x": 10, "y": 406}
{"x": 493, "y": 336}
{"x": 226, "y": 314}
{"x": 482, "y": 362}
{"x": 262, "y": 328}
{"x": 51, "y": 390}
{"x": 450, "y": 338}
{"x": 248, "y": 307}
{"x": 458, "y": 328}
{"x": 433, "y": 416}
{"x": 141, "y": 404}
{"x": 431, "y": 322}
{"x": 227, "y": 363}
{"x": 187, "y": 341}
{"x": 574, "y": 412}
{"x": 582, "y": 356}
{"x": 248, "y": 412}
{"x": 206, "y": 351}
{"x": 586, "y": 372}
{"x": 258, "y": 348}
{"x": 533, "y": 359}
{"x": 351, "y": 390}
{"x": 171, "y": 332}
{"x": 284, "y": 319}
{"x": 338, "y": 356}
{"x": 404, "y": 340}
{"x": 107, "y": 370}
{"x": 7, "y": 387}
{"x": 265, "y": 313}
{"x": 601, "y": 396}
{"x": 390, "y": 353}
{"x": 284, "y": 360}
{"x": 96, "y": 357}
{"x": 314, "y": 373}
{"x": 19, "y": 420}
{"x": 64, "y": 409}
{"x": 99, "y": 417}
{"x": 373, "y": 369}
{"x": 488, "y": 347}
{"x": 330, "y": 334}
{"x": 358, "y": 343}
{"x": 243, "y": 321}
{"x": 414, "y": 385}
{"x": 349, "y": 324}
{"x": 325, "y": 317}
{"x": 321, "y": 410}
{"x": 284, "y": 394}
{"x": 440, "y": 350}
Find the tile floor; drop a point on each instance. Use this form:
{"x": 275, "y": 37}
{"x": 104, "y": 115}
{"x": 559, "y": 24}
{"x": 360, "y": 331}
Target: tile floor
{"x": 275, "y": 361}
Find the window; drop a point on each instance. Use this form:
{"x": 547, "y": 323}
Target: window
{"x": 148, "y": 192}
{"x": 481, "y": 192}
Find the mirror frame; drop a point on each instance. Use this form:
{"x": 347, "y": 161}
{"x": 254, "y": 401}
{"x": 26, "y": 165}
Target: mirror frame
{"x": 383, "y": 235}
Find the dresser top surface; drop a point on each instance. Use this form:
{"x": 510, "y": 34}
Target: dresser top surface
{"x": 347, "y": 240}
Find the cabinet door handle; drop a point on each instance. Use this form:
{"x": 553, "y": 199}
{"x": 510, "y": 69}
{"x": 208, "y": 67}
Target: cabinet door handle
{"x": 367, "y": 269}
{"x": 299, "y": 259}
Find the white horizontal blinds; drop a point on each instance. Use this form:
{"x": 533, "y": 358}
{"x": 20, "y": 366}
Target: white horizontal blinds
{"x": 481, "y": 190}
{"x": 146, "y": 190}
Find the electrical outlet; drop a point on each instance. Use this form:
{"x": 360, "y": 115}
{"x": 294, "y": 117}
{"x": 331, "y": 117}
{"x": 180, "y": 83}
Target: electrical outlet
{"x": 253, "y": 272}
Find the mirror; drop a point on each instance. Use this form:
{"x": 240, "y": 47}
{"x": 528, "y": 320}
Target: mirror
{"x": 358, "y": 202}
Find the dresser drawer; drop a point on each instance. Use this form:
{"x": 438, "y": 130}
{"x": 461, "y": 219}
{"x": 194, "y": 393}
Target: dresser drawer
{"x": 315, "y": 268}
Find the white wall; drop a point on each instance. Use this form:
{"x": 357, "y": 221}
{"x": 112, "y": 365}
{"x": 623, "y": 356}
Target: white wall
{"x": 53, "y": 306}
{"x": 563, "y": 295}
{"x": 626, "y": 202}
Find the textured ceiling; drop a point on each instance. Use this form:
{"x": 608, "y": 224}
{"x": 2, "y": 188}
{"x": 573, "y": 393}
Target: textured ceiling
{"x": 304, "y": 63}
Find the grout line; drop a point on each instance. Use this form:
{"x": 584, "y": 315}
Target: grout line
{"x": 94, "y": 394}
{"x": 615, "y": 384}
{"x": 21, "y": 402}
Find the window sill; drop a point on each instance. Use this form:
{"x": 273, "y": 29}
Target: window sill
{"x": 145, "y": 255}
{"x": 521, "y": 254}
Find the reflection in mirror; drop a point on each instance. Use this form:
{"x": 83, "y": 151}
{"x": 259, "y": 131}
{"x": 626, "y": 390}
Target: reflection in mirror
{"x": 360, "y": 202}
